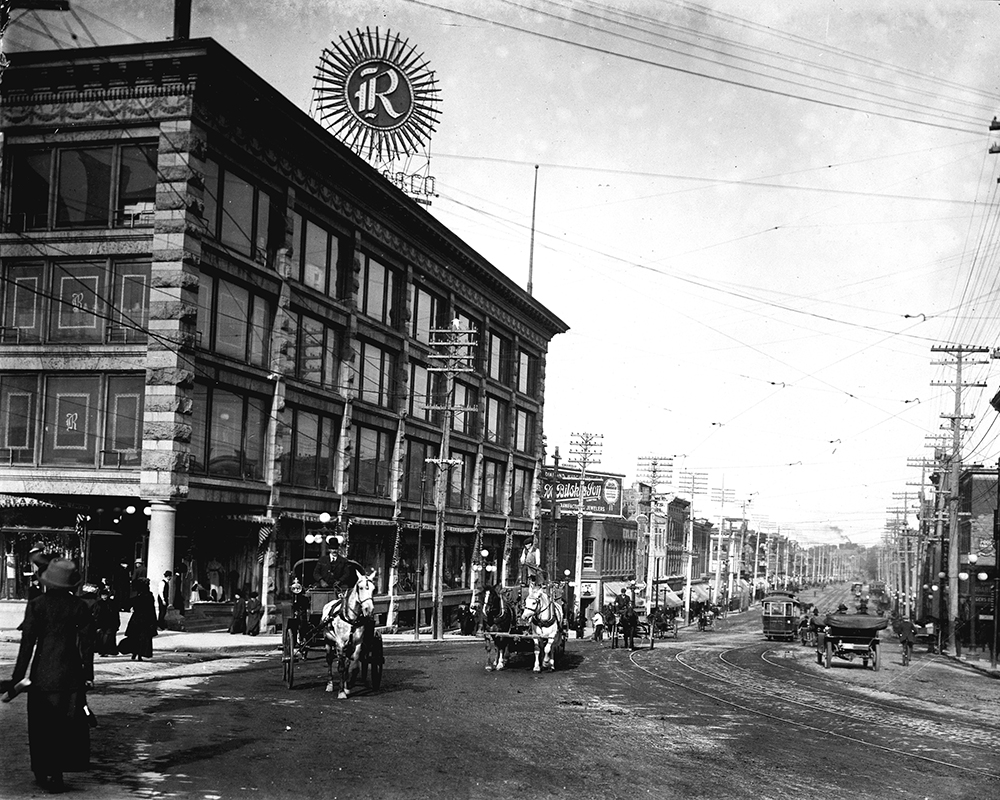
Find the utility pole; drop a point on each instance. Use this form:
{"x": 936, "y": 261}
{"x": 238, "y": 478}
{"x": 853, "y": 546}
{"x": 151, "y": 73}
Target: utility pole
{"x": 550, "y": 557}
{"x": 454, "y": 351}
{"x": 697, "y": 482}
{"x": 720, "y": 496}
{"x": 960, "y": 352}
{"x": 585, "y": 449}
{"x": 657, "y": 470}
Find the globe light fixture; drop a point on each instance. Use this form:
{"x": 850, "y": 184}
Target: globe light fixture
{"x": 983, "y": 576}
{"x": 934, "y": 588}
{"x": 325, "y": 517}
{"x": 963, "y": 576}
{"x": 973, "y": 558}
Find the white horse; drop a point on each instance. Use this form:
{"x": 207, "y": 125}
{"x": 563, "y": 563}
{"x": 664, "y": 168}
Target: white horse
{"x": 346, "y": 623}
{"x": 546, "y": 619}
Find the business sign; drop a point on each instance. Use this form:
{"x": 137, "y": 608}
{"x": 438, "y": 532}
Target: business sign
{"x": 378, "y": 95}
{"x": 602, "y": 494}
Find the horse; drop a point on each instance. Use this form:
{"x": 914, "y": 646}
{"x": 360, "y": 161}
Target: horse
{"x": 497, "y": 615}
{"x": 610, "y": 624}
{"x": 628, "y": 623}
{"x": 545, "y": 617}
{"x": 348, "y": 628}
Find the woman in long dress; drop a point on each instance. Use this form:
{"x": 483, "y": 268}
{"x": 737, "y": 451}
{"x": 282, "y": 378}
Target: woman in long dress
{"x": 239, "y": 623}
{"x": 57, "y": 640}
{"x": 254, "y": 613}
{"x": 141, "y": 627}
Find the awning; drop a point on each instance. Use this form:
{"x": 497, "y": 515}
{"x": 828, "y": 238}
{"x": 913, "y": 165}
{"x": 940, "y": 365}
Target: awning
{"x": 700, "y": 593}
{"x": 671, "y": 600}
{"x": 613, "y": 588}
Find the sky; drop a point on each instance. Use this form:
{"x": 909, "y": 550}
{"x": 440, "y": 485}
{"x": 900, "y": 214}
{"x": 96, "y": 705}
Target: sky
{"x": 767, "y": 225}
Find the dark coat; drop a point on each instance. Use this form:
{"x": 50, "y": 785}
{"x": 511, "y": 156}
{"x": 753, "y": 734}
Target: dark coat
{"x": 57, "y": 640}
{"x": 239, "y": 623}
{"x": 254, "y": 613}
{"x": 58, "y": 628}
{"x": 337, "y": 571}
{"x": 141, "y": 627}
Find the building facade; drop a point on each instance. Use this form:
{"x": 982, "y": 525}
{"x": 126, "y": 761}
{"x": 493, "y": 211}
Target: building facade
{"x": 217, "y": 340}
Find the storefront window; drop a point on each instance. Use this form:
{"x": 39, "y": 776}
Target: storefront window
{"x": 76, "y": 289}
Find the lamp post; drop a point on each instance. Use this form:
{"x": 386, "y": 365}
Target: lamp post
{"x": 419, "y": 563}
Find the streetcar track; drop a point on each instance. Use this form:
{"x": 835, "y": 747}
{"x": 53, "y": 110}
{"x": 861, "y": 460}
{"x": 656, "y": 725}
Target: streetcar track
{"x": 965, "y": 768}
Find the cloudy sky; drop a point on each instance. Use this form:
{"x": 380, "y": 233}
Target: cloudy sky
{"x": 758, "y": 219}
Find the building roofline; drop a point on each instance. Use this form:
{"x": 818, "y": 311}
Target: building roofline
{"x": 73, "y": 69}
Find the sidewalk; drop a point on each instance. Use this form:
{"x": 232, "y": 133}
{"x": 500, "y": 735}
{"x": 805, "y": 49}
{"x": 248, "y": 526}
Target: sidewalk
{"x": 225, "y": 643}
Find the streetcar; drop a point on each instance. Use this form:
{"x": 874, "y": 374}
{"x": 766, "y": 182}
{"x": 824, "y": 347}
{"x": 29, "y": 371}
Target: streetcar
{"x": 781, "y": 612}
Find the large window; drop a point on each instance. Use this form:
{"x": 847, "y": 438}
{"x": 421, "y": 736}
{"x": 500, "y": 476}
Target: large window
{"x": 494, "y": 474}
{"x": 376, "y": 373}
{"x": 62, "y": 301}
{"x": 80, "y": 420}
{"x": 588, "y": 553}
{"x": 419, "y": 471}
{"x": 460, "y": 480}
{"x": 237, "y": 212}
{"x": 233, "y": 321}
{"x": 82, "y": 186}
{"x": 498, "y": 360}
{"x": 317, "y": 252}
{"x": 466, "y": 397}
{"x": 313, "y": 450}
{"x": 317, "y": 352}
{"x": 372, "y": 452}
{"x": 427, "y": 313}
{"x": 527, "y": 372}
{"x": 521, "y": 501}
{"x": 379, "y": 290}
{"x": 524, "y": 431}
{"x": 228, "y": 433}
{"x": 497, "y": 412}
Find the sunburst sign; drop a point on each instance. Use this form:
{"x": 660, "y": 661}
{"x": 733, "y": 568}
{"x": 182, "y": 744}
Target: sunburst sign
{"x": 377, "y": 94}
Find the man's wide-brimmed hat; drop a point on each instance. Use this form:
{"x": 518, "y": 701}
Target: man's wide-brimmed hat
{"x": 61, "y": 573}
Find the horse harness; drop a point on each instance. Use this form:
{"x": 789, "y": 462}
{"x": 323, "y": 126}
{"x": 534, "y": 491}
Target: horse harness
{"x": 536, "y": 615}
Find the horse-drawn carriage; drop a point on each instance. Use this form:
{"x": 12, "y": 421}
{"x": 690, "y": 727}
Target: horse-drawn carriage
{"x": 627, "y": 626}
{"x": 662, "y": 625}
{"x": 850, "y": 636}
{"x": 343, "y": 627}
{"x": 516, "y": 622}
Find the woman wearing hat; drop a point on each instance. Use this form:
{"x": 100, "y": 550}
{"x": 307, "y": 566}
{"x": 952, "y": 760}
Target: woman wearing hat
{"x": 57, "y": 641}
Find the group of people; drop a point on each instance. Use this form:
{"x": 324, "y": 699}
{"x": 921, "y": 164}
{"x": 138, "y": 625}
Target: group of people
{"x": 247, "y": 613}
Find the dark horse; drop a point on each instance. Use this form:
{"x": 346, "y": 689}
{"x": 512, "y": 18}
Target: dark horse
{"x": 498, "y": 616}
{"x": 628, "y": 623}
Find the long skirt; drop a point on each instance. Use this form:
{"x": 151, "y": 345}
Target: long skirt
{"x": 58, "y": 733}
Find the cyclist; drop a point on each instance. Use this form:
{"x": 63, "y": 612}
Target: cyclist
{"x": 907, "y": 635}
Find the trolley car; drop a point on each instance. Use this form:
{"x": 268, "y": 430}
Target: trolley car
{"x": 781, "y": 612}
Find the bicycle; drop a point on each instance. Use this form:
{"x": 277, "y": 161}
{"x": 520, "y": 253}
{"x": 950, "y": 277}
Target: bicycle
{"x": 907, "y": 653}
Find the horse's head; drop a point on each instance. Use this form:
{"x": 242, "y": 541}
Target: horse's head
{"x": 532, "y": 603}
{"x": 364, "y": 593}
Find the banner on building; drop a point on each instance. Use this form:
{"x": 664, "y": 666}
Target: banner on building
{"x": 602, "y": 494}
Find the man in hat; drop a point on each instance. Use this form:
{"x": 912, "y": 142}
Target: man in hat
{"x": 334, "y": 571}
{"x": 57, "y": 642}
{"x": 39, "y": 560}
{"x": 529, "y": 562}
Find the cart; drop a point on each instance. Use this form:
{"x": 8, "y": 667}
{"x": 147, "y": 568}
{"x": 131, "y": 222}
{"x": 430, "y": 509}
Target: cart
{"x": 850, "y": 636}
{"x": 300, "y": 636}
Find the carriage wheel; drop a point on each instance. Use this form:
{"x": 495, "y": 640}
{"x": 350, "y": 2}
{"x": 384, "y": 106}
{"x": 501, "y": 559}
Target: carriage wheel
{"x": 819, "y": 657}
{"x": 288, "y": 657}
{"x": 829, "y": 654}
{"x": 875, "y": 659}
{"x": 376, "y": 680}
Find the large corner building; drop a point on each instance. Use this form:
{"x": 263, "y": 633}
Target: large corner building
{"x": 217, "y": 330}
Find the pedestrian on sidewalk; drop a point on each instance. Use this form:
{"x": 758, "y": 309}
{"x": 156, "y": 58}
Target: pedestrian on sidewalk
{"x": 239, "y": 623}
{"x": 254, "y": 612}
{"x": 107, "y": 621}
{"x": 141, "y": 626}
{"x": 57, "y": 641}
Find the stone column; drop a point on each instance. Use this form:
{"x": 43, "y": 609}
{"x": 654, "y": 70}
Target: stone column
{"x": 162, "y": 525}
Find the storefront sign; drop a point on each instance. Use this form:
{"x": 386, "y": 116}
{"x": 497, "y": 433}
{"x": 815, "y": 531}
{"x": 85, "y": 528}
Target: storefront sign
{"x": 602, "y": 494}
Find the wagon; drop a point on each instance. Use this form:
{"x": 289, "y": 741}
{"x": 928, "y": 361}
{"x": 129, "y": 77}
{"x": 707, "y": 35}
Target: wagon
{"x": 520, "y": 640}
{"x": 850, "y": 636}
{"x": 301, "y": 636}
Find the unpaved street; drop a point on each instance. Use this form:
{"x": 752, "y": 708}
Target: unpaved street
{"x": 715, "y": 714}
